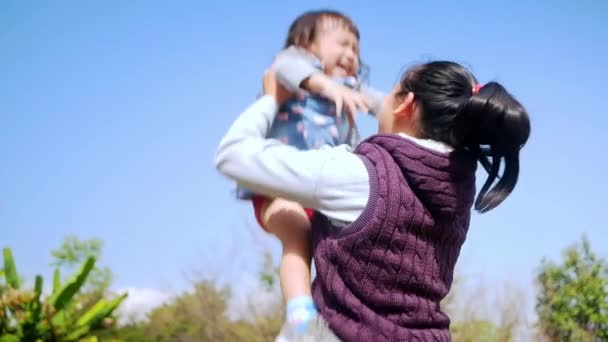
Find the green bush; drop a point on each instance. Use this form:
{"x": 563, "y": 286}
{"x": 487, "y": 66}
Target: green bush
{"x": 26, "y": 316}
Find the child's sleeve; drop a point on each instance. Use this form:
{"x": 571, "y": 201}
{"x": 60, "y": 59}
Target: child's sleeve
{"x": 374, "y": 97}
{"x": 294, "y": 65}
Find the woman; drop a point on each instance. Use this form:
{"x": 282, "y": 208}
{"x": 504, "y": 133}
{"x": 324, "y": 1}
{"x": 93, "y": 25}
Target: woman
{"x": 391, "y": 216}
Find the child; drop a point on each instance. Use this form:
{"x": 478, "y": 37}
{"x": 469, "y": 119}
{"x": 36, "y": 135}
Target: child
{"x": 321, "y": 56}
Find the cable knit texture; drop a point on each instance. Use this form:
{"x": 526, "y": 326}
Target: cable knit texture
{"x": 382, "y": 278}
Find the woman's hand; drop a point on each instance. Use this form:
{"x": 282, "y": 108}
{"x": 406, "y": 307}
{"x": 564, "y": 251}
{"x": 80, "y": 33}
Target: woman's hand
{"x": 274, "y": 88}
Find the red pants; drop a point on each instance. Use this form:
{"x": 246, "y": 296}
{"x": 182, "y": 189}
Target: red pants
{"x": 259, "y": 202}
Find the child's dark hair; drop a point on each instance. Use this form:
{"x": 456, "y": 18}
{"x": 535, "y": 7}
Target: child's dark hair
{"x": 484, "y": 119}
{"x": 305, "y": 27}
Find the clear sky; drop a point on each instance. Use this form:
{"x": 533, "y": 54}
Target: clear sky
{"x": 110, "y": 112}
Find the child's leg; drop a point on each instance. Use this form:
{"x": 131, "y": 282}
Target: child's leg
{"x": 291, "y": 224}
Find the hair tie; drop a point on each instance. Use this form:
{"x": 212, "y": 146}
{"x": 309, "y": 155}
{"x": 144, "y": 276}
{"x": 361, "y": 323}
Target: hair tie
{"x": 476, "y": 88}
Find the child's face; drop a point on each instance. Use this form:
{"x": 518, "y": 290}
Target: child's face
{"x": 337, "y": 48}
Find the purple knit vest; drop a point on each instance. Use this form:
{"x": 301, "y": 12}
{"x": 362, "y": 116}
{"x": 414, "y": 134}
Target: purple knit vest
{"x": 382, "y": 277}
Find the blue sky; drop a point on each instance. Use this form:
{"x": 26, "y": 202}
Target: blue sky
{"x": 110, "y": 113}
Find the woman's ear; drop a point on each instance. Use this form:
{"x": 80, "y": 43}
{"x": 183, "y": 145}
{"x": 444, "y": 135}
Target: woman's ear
{"x": 406, "y": 107}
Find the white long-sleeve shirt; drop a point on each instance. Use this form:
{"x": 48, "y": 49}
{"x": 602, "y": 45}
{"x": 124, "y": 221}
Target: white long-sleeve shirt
{"x": 332, "y": 180}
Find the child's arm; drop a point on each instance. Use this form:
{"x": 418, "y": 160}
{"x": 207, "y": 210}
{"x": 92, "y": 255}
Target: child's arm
{"x": 296, "y": 69}
{"x": 294, "y": 66}
{"x": 374, "y": 98}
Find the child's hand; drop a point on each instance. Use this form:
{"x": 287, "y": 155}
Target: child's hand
{"x": 341, "y": 95}
{"x": 274, "y": 88}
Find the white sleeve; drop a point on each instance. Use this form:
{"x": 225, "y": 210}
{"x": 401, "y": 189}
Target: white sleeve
{"x": 332, "y": 180}
{"x": 343, "y": 187}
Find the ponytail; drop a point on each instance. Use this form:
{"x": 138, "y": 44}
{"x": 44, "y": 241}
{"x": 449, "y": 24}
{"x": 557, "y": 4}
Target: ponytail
{"x": 485, "y": 120}
{"x": 494, "y": 126}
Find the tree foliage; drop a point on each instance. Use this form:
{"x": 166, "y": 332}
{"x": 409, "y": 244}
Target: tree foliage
{"x": 203, "y": 314}
{"x": 572, "y": 301}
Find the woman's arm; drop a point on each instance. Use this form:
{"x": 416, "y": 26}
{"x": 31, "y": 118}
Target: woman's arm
{"x": 331, "y": 180}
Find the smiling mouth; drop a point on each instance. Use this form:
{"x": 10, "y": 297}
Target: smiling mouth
{"x": 344, "y": 71}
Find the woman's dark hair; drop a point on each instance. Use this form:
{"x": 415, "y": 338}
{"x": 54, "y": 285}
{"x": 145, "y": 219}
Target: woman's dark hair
{"x": 484, "y": 119}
